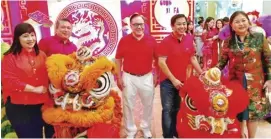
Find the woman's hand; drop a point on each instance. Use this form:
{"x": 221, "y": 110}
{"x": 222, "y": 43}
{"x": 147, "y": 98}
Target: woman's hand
{"x": 40, "y": 90}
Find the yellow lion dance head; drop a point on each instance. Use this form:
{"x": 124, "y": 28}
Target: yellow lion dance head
{"x": 82, "y": 88}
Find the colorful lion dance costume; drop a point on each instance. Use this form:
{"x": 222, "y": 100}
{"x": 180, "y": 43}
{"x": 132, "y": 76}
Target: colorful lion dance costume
{"x": 209, "y": 107}
{"x": 85, "y": 101}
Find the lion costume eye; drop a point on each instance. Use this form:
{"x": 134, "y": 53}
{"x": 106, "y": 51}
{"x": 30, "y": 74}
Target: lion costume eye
{"x": 103, "y": 86}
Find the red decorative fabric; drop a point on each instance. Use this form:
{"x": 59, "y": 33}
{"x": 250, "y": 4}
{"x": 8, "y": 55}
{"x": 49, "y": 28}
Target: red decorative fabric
{"x": 194, "y": 89}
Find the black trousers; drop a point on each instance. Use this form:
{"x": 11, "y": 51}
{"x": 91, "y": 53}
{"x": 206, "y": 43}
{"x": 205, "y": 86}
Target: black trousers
{"x": 27, "y": 120}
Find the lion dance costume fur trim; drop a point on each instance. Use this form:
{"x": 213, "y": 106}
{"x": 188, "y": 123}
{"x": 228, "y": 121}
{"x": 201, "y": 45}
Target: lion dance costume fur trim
{"x": 85, "y": 101}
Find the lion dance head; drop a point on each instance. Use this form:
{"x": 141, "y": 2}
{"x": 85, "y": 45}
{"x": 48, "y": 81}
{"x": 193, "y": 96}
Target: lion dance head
{"x": 84, "y": 98}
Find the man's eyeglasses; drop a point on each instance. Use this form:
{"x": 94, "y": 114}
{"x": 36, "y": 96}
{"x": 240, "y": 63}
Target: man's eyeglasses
{"x": 138, "y": 24}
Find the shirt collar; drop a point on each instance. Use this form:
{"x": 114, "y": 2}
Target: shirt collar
{"x": 25, "y": 52}
{"x": 61, "y": 40}
{"x": 136, "y": 38}
{"x": 175, "y": 38}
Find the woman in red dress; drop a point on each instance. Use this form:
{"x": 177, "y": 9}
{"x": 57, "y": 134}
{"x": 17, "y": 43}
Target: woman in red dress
{"x": 210, "y": 48}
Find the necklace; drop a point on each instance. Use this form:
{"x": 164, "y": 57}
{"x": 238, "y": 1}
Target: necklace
{"x": 239, "y": 42}
{"x": 32, "y": 63}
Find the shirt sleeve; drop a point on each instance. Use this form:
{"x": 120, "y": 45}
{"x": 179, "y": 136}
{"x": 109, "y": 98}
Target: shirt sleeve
{"x": 224, "y": 55}
{"x": 74, "y": 48}
{"x": 43, "y": 46}
{"x": 10, "y": 78}
{"x": 120, "y": 50}
{"x": 162, "y": 49}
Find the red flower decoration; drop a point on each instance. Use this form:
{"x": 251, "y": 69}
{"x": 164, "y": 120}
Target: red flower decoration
{"x": 259, "y": 107}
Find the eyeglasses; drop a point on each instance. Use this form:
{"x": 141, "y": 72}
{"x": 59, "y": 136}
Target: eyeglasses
{"x": 138, "y": 24}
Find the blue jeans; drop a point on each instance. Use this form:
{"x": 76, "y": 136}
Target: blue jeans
{"x": 170, "y": 106}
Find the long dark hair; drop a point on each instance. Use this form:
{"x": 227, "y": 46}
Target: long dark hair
{"x": 233, "y": 17}
{"x": 16, "y": 46}
{"x": 191, "y": 31}
{"x": 216, "y": 23}
{"x": 207, "y": 21}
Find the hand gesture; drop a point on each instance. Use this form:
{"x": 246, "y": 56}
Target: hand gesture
{"x": 40, "y": 90}
{"x": 178, "y": 84}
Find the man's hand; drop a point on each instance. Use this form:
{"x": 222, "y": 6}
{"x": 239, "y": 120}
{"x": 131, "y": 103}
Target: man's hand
{"x": 178, "y": 84}
{"x": 120, "y": 84}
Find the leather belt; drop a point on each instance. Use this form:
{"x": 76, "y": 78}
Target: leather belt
{"x": 138, "y": 75}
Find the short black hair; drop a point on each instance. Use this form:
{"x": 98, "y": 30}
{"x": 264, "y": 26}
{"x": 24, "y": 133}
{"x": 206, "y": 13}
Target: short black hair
{"x": 136, "y": 15}
{"x": 62, "y": 19}
{"x": 200, "y": 21}
{"x": 175, "y": 17}
{"x": 201, "y": 18}
{"x": 226, "y": 19}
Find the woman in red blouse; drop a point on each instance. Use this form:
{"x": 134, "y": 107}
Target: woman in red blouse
{"x": 25, "y": 82}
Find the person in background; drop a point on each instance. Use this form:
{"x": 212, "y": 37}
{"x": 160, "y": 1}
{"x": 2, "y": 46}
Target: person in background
{"x": 210, "y": 48}
{"x": 198, "y": 40}
{"x": 190, "y": 28}
{"x": 59, "y": 43}
{"x": 219, "y": 26}
{"x": 135, "y": 75}
{"x": 175, "y": 53}
{"x": 199, "y": 19}
{"x": 190, "y": 31}
{"x": 246, "y": 53}
{"x": 226, "y": 20}
{"x": 25, "y": 82}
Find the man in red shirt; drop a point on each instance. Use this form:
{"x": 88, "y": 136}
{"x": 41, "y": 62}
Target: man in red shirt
{"x": 60, "y": 43}
{"x": 135, "y": 55}
{"x": 174, "y": 53}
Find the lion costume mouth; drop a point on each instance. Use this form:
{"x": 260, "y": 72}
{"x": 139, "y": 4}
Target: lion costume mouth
{"x": 110, "y": 109}
{"x": 75, "y": 98}
{"x": 77, "y": 83}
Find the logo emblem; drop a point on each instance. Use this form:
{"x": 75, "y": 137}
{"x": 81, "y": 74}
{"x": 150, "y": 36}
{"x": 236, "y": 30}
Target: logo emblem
{"x": 93, "y": 26}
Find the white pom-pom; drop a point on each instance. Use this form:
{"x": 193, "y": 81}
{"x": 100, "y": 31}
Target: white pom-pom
{"x": 257, "y": 29}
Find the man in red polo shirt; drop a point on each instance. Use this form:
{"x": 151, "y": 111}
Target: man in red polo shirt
{"x": 174, "y": 53}
{"x": 60, "y": 43}
{"x": 135, "y": 55}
